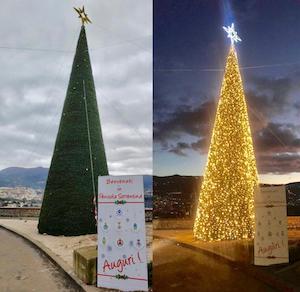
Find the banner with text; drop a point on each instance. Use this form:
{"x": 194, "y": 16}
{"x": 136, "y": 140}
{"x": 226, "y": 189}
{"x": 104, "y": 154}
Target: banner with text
{"x": 271, "y": 238}
{"x": 122, "y": 256}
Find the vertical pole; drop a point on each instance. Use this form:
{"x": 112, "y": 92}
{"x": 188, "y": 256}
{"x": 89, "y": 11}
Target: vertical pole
{"x": 90, "y": 148}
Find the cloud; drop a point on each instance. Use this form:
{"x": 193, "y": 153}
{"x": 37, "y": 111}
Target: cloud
{"x": 279, "y": 163}
{"x": 185, "y": 120}
{"x": 179, "y": 148}
{"x": 274, "y": 92}
{"x": 277, "y": 137}
{"x": 34, "y": 82}
{"x": 268, "y": 99}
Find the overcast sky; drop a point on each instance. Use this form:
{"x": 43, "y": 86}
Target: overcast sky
{"x": 37, "y": 44}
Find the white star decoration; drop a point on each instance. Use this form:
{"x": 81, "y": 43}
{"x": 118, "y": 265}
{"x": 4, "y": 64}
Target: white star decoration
{"x": 232, "y": 34}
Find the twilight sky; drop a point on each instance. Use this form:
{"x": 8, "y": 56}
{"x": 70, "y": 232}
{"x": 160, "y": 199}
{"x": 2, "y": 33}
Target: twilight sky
{"x": 38, "y": 41}
{"x": 190, "y": 50}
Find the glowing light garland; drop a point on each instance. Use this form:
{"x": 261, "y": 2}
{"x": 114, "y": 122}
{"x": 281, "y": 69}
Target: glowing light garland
{"x": 226, "y": 202}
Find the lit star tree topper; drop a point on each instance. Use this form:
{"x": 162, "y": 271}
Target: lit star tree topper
{"x": 82, "y": 15}
{"x": 232, "y": 34}
{"x": 226, "y": 202}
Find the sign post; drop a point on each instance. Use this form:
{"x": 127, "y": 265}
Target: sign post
{"x": 122, "y": 257}
{"x": 271, "y": 238}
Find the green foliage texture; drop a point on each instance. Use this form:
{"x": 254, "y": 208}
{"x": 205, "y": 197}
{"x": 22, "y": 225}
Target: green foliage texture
{"x": 68, "y": 207}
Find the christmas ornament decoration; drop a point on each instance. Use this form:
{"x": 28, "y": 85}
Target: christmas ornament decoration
{"x": 105, "y": 227}
{"x": 119, "y": 226}
{"x": 226, "y": 202}
{"x": 120, "y": 242}
{"x": 119, "y": 212}
{"x": 139, "y": 244}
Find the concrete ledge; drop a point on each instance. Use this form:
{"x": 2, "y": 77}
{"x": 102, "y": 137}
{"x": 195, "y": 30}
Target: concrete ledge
{"x": 11, "y": 212}
{"x": 24, "y": 212}
{"x": 57, "y": 261}
{"x": 85, "y": 264}
{"x": 172, "y": 223}
{"x": 187, "y": 223}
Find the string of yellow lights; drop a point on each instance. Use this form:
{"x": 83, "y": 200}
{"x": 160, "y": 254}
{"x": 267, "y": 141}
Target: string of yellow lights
{"x": 226, "y": 203}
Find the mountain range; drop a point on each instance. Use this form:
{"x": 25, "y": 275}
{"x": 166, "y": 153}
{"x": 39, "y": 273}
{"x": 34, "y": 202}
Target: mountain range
{"x": 36, "y": 178}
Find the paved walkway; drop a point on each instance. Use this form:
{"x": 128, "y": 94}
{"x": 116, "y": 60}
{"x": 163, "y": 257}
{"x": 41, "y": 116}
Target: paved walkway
{"x": 237, "y": 250}
{"x": 60, "y": 248}
{"x": 24, "y": 268}
{"x": 177, "y": 268}
{"x": 240, "y": 251}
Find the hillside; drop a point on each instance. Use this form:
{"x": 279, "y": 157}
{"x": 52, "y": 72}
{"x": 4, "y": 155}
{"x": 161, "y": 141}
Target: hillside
{"x": 34, "y": 178}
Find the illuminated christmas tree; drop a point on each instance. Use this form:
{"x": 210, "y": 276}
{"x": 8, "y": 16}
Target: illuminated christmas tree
{"x": 226, "y": 202}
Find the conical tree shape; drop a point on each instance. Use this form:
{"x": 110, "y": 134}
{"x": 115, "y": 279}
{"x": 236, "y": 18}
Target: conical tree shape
{"x": 226, "y": 202}
{"x": 68, "y": 207}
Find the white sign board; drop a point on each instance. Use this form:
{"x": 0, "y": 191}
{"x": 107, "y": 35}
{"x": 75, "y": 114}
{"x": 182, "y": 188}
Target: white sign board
{"x": 122, "y": 257}
{"x": 271, "y": 238}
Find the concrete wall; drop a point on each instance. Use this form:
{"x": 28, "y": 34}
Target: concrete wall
{"x": 35, "y": 212}
{"x": 172, "y": 224}
{"x": 19, "y": 212}
{"x": 293, "y": 223}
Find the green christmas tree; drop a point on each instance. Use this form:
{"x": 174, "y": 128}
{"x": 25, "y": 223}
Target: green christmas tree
{"x": 78, "y": 158}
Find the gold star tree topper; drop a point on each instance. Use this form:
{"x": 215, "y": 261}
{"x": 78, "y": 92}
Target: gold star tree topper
{"x": 82, "y": 15}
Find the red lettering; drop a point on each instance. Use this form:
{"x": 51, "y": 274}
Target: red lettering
{"x": 269, "y": 249}
{"x": 119, "y": 264}
{"x": 106, "y": 265}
